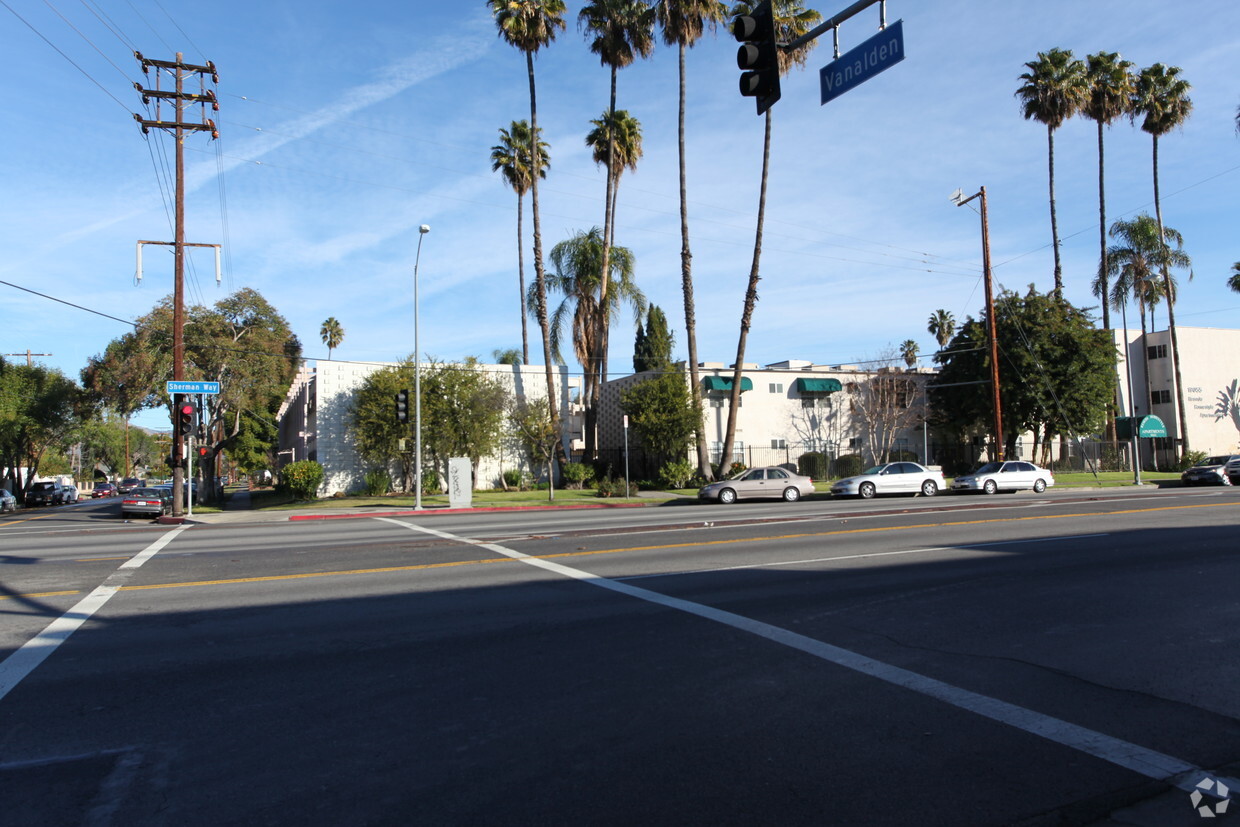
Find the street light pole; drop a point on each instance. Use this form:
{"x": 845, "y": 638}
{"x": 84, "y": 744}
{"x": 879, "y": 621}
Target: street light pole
{"x": 417, "y": 381}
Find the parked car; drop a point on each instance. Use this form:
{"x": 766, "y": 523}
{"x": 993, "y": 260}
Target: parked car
{"x": 49, "y": 492}
{"x": 152, "y": 502}
{"x": 104, "y": 489}
{"x": 892, "y": 478}
{"x": 1210, "y": 471}
{"x": 70, "y": 494}
{"x": 1013, "y": 475}
{"x": 1233, "y": 471}
{"x": 773, "y": 482}
{"x": 129, "y": 484}
{"x": 7, "y": 501}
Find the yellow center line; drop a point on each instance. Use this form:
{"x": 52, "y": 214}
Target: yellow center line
{"x": 25, "y": 520}
{"x": 489, "y": 560}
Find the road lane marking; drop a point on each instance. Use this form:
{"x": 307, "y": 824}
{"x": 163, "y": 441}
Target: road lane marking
{"x": 25, "y": 660}
{"x": 1147, "y": 762}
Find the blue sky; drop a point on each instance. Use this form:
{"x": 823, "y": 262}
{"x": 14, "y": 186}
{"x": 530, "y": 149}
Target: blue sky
{"x": 342, "y": 132}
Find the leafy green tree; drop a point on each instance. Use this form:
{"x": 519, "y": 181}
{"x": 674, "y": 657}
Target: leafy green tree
{"x": 683, "y": 22}
{"x": 1054, "y": 89}
{"x": 302, "y": 479}
{"x": 662, "y": 414}
{"x": 512, "y": 157}
{"x": 1162, "y": 103}
{"x": 332, "y": 334}
{"x": 1055, "y": 375}
{"x": 791, "y": 21}
{"x": 41, "y": 411}
{"x": 537, "y": 435}
{"x": 529, "y": 25}
{"x": 652, "y": 349}
{"x": 462, "y": 412}
{"x": 127, "y": 376}
{"x": 373, "y": 425}
{"x": 941, "y": 326}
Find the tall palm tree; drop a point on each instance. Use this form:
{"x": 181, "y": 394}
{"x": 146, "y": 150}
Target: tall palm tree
{"x": 1054, "y": 89}
{"x": 683, "y": 23}
{"x": 1161, "y": 101}
{"x": 529, "y": 25}
{"x": 621, "y": 31}
{"x": 908, "y": 351}
{"x": 620, "y": 135}
{"x": 942, "y": 326}
{"x": 578, "y": 265}
{"x": 1136, "y": 264}
{"x": 791, "y": 21}
{"x": 1109, "y": 95}
{"x": 332, "y": 334}
{"x": 512, "y": 158}
{"x": 1234, "y": 281}
{"x": 508, "y": 355}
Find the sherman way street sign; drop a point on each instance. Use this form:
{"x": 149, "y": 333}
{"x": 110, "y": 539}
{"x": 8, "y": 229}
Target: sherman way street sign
{"x": 193, "y": 387}
{"x": 856, "y": 66}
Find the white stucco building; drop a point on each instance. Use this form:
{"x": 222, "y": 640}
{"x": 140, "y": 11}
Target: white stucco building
{"x": 314, "y": 418}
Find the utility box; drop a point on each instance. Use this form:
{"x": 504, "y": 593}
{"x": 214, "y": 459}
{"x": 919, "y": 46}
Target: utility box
{"x": 460, "y": 483}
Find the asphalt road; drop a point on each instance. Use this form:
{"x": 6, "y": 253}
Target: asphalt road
{"x": 1066, "y": 658}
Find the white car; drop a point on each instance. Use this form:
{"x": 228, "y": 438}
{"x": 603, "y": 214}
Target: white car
{"x": 1013, "y": 475}
{"x": 892, "y": 478}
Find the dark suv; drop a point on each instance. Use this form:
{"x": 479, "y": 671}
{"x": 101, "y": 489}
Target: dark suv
{"x": 45, "y": 493}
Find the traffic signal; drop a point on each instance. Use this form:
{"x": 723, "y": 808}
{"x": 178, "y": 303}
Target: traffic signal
{"x": 758, "y": 55}
{"x": 203, "y": 451}
{"x": 185, "y": 418}
{"x": 402, "y": 406}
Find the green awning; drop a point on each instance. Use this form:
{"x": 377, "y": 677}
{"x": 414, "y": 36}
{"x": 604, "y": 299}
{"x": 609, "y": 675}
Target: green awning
{"x": 1147, "y": 426}
{"x": 723, "y": 383}
{"x": 818, "y": 385}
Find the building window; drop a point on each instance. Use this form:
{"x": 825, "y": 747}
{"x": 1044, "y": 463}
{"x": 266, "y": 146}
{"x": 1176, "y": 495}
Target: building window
{"x": 1162, "y": 397}
{"x": 779, "y": 443}
{"x": 1157, "y": 351}
{"x": 777, "y": 388}
{"x": 854, "y": 442}
{"x": 809, "y": 402}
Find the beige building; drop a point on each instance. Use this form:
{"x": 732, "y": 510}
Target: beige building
{"x": 1210, "y": 364}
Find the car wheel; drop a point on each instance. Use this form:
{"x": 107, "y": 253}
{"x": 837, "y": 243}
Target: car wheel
{"x": 929, "y": 488}
{"x": 791, "y": 494}
{"x": 867, "y": 490}
{"x": 1039, "y": 486}
{"x": 727, "y": 496}
{"x": 990, "y": 487}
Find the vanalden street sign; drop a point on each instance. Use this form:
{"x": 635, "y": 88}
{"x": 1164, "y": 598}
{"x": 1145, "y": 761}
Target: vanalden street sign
{"x": 192, "y": 387}
{"x": 855, "y": 67}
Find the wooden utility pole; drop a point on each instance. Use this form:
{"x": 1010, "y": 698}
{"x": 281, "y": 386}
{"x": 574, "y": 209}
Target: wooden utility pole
{"x": 990, "y": 320}
{"x": 178, "y": 99}
{"x": 28, "y": 355}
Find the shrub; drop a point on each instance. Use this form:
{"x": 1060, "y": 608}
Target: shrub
{"x": 676, "y": 474}
{"x": 607, "y": 487}
{"x": 1191, "y": 458}
{"x": 848, "y": 465}
{"x": 577, "y": 474}
{"x": 376, "y": 483}
{"x": 813, "y": 465}
{"x": 736, "y": 468}
{"x": 430, "y": 481}
{"x": 513, "y": 478}
{"x": 302, "y": 479}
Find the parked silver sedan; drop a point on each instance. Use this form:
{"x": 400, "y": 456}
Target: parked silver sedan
{"x": 1013, "y": 475}
{"x": 892, "y": 478}
{"x": 773, "y": 482}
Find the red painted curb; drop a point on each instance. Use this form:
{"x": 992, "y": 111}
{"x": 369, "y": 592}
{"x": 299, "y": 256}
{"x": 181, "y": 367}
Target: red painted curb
{"x": 430, "y": 511}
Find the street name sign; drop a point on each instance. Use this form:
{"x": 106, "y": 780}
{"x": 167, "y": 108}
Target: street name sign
{"x": 193, "y": 387}
{"x": 856, "y": 66}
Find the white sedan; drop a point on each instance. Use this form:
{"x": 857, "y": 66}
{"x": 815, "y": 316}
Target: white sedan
{"x": 1012, "y": 475}
{"x": 892, "y": 478}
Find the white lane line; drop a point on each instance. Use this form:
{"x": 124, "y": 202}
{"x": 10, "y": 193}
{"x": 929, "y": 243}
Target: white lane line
{"x": 1147, "y": 762}
{"x": 930, "y": 549}
{"x": 25, "y": 660}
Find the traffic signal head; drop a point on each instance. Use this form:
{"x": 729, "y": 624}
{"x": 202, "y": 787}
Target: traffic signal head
{"x": 758, "y": 55}
{"x": 185, "y": 418}
{"x": 402, "y": 406}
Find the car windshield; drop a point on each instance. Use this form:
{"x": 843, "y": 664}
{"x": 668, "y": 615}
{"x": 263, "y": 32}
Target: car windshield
{"x": 1214, "y": 461}
{"x": 877, "y": 469}
{"x": 43, "y": 486}
{"x": 146, "y": 492}
{"x": 988, "y": 468}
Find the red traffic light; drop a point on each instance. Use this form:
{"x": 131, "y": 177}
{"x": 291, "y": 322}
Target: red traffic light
{"x": 203, "y": 450}
{"x": 187, "y": 409}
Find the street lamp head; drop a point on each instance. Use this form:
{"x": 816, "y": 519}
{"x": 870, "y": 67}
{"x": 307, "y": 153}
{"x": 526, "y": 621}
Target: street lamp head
{"x": 957, "y": 196}
{"x": 424, "y": 229}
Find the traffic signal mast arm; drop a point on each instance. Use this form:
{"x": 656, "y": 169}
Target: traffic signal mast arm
{"x": 835, "y": 20}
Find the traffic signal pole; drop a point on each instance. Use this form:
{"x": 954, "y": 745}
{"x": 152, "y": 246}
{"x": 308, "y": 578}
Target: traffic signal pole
{"x": 179, "y": 126}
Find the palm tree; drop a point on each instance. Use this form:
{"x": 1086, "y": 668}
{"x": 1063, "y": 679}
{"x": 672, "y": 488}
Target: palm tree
{"x": 620, "y": 135}
{"x": 1109, "y": 96}
{"x": 578, "y": 265}
{"x": 508, "y": 355}
{"x": 1234, "y": 281}
{"x": 1135, "y": 263}
{"x": 683, "y": 22}
{"x": 332, "y": 334}
{"x": 1054, "y": 89}
{"x": 621, "y": 32}
{"x": 1161, "y": 101}
{"x": 908, "y": 350}
{"x": 528, "y": 25}
{"x": 511, "y": 156}
{"x": 942, "y": 326}
{"x": 791, "y": 21}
